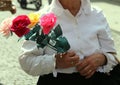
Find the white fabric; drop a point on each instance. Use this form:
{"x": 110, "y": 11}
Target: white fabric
{"x": 87, "y": 32}
{"x": 34, "y": 62}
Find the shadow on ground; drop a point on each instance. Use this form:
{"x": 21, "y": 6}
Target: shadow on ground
{"x": 115, "y": 2}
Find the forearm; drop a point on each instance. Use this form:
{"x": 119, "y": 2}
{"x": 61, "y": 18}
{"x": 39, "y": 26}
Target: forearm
{"x": 37, "y": 65}
{"x": 34, "y": 61}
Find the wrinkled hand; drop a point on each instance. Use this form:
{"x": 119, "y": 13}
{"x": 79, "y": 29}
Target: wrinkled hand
{"x": 69, "y": 59}
{"x": 89, "y": 64}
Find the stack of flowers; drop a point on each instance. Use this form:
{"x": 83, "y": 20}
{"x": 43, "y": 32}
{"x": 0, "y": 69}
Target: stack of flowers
{"x": 42, "y": 30}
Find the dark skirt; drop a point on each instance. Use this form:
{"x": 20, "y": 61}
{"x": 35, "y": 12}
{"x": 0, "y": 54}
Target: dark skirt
{"x": 76, "y": 79}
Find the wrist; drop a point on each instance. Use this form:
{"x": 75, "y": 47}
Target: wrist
{"x": 57, "y": 56}
{"x": 103, "y": 59}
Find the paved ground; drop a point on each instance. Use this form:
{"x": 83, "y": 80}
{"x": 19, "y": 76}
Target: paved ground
{"x": 10, "y": 71}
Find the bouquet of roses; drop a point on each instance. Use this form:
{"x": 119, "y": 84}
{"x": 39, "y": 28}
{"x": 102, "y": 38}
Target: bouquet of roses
{"x": 42, "y": 30}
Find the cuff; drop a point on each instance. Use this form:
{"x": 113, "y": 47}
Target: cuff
{"x": 111, "y": 62}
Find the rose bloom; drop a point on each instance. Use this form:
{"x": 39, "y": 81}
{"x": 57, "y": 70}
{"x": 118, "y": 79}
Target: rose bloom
{"x": 19, "y": 26}
{"x": 47, "y": 22}
{"x": 34, "y": 19}
{"x": 5, "y": 27}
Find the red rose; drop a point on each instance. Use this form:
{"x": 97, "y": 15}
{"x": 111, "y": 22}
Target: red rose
{"x": 47, "y": 22}
{"x": 19, "y": 26}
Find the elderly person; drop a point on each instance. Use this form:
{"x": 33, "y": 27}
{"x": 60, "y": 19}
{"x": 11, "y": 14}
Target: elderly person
{"x": 91, "y": 59}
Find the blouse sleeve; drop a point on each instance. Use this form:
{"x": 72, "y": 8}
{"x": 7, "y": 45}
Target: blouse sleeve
{"x": 107, "y": 46}
{"x": 34, "y": 61}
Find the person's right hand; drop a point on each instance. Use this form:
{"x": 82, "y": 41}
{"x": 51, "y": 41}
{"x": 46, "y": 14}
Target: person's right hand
{"x": 68, "y": 59}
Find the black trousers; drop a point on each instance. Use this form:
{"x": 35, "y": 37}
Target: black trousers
{"x": 76, "y": 79}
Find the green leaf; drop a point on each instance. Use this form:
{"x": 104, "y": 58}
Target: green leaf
{"x": 46, "y": 40}
{"x": 52, "y": 35}
{"x": 32, "y": 33}
{"x": 61, "y": 44}
{"x": 58, "y": 31}
{"x": 36, "y": 28}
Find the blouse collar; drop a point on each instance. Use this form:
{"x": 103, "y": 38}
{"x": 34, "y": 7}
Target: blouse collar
{"x": 57, "y": 8}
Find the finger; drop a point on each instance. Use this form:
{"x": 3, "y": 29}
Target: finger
{"x": 71, "y": 54}
{"x": 74, "y": 58}
{"x": 61, "y": 55}
{"x": 91, "y": 63}
{"x": 81, "y": 65}
{"x": 86, "y": 70}
{"x": 87, "y": 73}
{"x": 90, "y": 74}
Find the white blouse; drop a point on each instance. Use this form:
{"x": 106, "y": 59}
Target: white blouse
{"x": 88, "y": 32}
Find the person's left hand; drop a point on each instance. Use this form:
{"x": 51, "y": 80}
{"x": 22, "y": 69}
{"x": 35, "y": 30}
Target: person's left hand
{"x": 89, "y": 64}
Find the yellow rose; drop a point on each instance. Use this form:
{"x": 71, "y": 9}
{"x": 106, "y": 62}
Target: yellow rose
{"x": 34, "y": 19}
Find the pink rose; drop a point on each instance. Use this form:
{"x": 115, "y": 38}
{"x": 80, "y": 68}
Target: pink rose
{"x": 47, "y": 22}
{"x": 5, "y": 27}
{"x": 19, "y": 26}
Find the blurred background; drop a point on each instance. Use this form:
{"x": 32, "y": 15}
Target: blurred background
{"x": 10, "y": 70}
